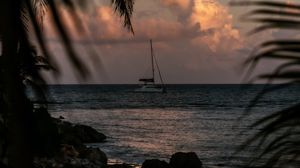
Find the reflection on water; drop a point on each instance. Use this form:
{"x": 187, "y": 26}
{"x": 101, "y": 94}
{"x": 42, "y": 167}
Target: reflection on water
{"x": 199, "y": 118}
{"x": 138, "y": 134}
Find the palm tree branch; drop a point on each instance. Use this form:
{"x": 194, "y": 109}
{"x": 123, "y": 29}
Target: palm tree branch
{"x": 272, "y": 12}
{"x": 73, "y": 57}
{"x": 125, "y": 9}
{"x": 39, "y": 35}
{"x": 271, "y": 4}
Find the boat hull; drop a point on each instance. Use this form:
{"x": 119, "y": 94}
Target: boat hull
{"x": 150, "y": 89}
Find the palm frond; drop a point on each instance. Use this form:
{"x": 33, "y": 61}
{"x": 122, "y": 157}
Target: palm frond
{"x": 40, "y": 8}
{"x": 67, "y": 42}
{"x": 125, "y": 9}
{"x": 266, "y": 10}
{"x": 271, "y": 12}
{"x": 265, "y": 4}
{"x": 39, "y": 35}
{"x": 277, "y": 142}
{"x": 19, "y": 61}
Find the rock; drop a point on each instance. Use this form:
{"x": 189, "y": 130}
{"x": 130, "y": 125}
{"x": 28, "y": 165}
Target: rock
{"x": 89, "y": 134}
{"x": 93, "y": 155}
{"x": 185, "y": 160}
{"x": 68, "y": 151}
{"x": 66, "y": 163}
{"x": 65, "y": 141}
{"x": 67, "y": 133}
{"x": 46, "y": 137}
{"x": 155, "y": 163}
{"x": 76, "y": 135}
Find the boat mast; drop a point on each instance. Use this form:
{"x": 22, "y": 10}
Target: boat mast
{"x": 160, "y": 77}
{"x": 152, "y": 61}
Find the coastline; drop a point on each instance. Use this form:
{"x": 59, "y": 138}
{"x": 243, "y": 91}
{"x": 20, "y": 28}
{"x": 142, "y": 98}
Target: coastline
{"x": 74, "y": 151}
{"x": 202, "y": 119}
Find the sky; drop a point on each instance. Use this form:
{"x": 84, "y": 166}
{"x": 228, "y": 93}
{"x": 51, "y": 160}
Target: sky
{"x": 195, "y": 42}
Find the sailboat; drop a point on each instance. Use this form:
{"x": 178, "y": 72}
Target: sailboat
{"x": 149, "y": 85}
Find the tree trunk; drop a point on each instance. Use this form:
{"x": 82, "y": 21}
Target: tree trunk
{"x": 17, "y": 109}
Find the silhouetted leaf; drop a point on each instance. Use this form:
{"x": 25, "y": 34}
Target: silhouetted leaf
{"x": 125, "y": 9}
{"x": 278, "y": 139}
{"x": 20, "y": 62}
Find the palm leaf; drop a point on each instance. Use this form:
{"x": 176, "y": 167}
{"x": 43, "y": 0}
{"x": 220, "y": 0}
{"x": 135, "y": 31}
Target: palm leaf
{"x": 125, "y": 9}
{"x": 19, "y": 61}
{"x": 277, "y": 142}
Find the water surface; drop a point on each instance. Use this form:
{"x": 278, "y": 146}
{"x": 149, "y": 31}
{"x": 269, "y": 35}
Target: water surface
{"x": 200, "y": 118}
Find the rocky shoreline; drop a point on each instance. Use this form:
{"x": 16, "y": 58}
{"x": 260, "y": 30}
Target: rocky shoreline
{"x": 72, "y": 153}
{"x": 63, "y": 144}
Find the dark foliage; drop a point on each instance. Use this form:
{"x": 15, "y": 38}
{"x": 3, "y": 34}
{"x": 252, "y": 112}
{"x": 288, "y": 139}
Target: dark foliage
{"x": 277, "y": 142}
{"x": 20, "y": 67}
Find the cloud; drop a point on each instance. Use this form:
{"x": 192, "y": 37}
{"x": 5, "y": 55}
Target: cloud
{"x": 195, "y": 41}
{"x": 183, "y": 4}
{"x": 211, "y": 14}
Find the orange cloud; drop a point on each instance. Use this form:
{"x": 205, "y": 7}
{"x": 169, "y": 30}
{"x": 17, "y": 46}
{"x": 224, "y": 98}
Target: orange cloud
{"x": 180, "y": 3}
{"x": 211, "y": 14}
{"x": 186, "y": 41}
{"x": 105, "y": 25}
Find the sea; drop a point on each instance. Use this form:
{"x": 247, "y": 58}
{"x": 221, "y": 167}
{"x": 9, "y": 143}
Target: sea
{"x": 210, "y": 120}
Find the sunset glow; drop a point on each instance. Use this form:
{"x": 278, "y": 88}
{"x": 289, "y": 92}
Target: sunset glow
{"x": 204, "y": 30}
{"x": 149, "y": 83}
